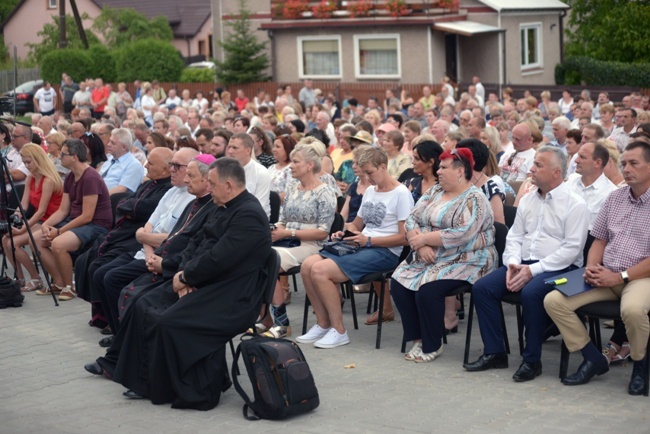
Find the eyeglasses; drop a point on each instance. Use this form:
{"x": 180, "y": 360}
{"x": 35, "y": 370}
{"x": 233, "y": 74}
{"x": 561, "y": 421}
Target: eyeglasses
{"x": 176, "y": 166}
{"x": 63, "y": 154}
{"x": 13, "y": 136}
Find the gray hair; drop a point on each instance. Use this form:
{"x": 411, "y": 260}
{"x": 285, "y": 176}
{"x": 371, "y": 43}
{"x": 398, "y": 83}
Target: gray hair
{"x": 562, "y": 122}
{"x": 123, "y": 136}
{"x": 229, "y": 169}
{"x": 560, "y": 158}
{"x": 311, "y": 152}
{"x": 203, "y": 168}
{"x": 76, "y": 147}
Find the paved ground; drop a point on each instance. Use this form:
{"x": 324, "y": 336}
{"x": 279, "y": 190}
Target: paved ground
{"x": 44, "y": 388}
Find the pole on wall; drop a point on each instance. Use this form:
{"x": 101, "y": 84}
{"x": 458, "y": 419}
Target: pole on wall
{"x": 63, "y": 42}
{"x": 77, "y": 19}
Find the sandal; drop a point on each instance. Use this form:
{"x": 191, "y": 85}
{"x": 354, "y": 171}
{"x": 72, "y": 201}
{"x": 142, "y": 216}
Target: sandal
{"x": 259, "y": 329}
{"x": 56, "y": 289}
{"x": 374, "y": 318}
{"x": 623, "y": 354}
{"x": 428, "y": 357}
{"x": 414, "y": 352}
{"x": 277, "y": 332}
{"x": 67, "y": 293}
{"x": 32, "y": 285}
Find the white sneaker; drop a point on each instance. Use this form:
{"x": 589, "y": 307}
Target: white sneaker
{"x": 333, "y": 339}
{"x": 314, "y": 334}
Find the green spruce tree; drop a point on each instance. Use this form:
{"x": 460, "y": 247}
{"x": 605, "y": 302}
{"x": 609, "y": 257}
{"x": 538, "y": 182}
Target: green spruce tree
{"x": 246, "y": 61}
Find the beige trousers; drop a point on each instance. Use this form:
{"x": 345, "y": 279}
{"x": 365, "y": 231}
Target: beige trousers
{"x": 635, "y": 305}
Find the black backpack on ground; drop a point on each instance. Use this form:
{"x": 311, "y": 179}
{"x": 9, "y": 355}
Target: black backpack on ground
{"x": 282, "y": 382}
{"x": 10, "y": 294}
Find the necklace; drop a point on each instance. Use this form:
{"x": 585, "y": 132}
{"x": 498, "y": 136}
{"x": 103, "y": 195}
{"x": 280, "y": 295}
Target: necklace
{"x": 478, "y": 179}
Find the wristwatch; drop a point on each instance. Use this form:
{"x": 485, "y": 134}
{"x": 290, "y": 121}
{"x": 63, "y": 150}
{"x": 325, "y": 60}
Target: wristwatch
{"x": 181, "y": 277}
{"x": 626, "y": 278}
{"x": 369, "y": 242}
{"x": 293, "y": 233}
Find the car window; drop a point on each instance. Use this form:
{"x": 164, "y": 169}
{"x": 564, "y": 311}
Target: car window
{"x": 29, "y": 86}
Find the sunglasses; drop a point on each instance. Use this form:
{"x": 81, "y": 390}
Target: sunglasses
{"x": 174, "y": 166}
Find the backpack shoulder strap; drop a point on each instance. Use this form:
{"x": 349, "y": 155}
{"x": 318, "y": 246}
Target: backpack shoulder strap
{"x": 248, "y": 403}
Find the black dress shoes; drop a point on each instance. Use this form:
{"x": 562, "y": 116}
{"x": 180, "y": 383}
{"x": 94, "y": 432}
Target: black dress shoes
{"x": 132, "y": 395}
{"x": 94, "y": 368}
{"x": 488, "y": 361}
{"x": 106, "y": 342}
{"x": 527, "y": 371}
{"x": 586, "y": 372}
{"x": 637, "y": 382}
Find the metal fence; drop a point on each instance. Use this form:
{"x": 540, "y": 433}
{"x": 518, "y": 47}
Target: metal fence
{"x": 24, "y": 74}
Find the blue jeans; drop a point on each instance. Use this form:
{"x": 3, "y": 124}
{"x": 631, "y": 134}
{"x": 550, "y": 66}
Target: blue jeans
{"x": 487, "y": 293}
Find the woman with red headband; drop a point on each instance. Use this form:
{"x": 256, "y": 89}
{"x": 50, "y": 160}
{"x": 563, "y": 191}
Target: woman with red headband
{"x": 451, "y": 234}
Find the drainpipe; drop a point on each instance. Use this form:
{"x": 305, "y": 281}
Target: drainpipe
{"x": 429, "y": 31}
{"x": 562, "y": 15}
{"x": 269, "y": 32}
{"x": 502, "y": 54}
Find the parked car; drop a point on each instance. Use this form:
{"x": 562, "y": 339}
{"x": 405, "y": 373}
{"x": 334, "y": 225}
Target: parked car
{"x": 6, "y": 105}
{"x": 24, "y": 97}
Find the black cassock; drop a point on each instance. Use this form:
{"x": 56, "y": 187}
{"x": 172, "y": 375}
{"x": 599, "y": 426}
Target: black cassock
{"x": 172, "y": 350}
{"x": 132, "y": 213}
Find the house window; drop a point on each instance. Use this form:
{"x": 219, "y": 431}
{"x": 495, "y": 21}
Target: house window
{"x": 319, "y": 56}
{"x": 51, "y": 4}
{"x": 531, "y": 45}
{"x": 377, "y": 56}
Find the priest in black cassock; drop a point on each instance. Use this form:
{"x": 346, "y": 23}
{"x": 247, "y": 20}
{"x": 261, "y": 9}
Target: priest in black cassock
{"x": 131, "y": 214}
{"x": 171, "y": 345}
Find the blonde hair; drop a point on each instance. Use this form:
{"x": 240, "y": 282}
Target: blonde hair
{"x": 55, "y": 137}
{"x": 43, "y": 164}
{"x": 614, "y": 153}
{"x": 493, "y": 137}
{"x": 322, "y": 149}
{"x": 492, "y": 167}
{"x": 607, "y": 108}
{"x": 311, "y": 152}
{"x": 373, "y": 156}
{"x": 360, "y": 149}
{"x": 422, "y": 138}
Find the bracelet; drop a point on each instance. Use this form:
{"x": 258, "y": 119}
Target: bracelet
{"x": 58, "y": 232}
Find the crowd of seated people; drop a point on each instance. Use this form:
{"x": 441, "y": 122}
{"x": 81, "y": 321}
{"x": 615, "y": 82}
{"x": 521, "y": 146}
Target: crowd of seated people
{"x": 129, "y": 210}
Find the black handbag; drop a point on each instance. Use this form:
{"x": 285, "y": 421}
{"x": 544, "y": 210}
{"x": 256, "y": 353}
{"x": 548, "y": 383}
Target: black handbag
{"x": 341, "y": 248}
{"x": 286, "y": 242}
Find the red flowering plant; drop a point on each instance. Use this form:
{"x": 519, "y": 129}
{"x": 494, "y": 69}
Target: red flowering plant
{"x": 396, "y": 8}
{"x": 359, "y": 8}
{"x": 293, "y": 9}
{"x": 452, "y": 5}
{"x": 324, "y": 9}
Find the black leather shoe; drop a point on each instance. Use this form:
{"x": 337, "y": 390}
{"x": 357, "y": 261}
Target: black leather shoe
{"x": 488, "y": 361}
{"x": 586, "y": 372}
{"x": 132, "y": 395}
{"x": 527, "y": 371}
{"x": 637, "y": 382}
{"x": 106, "y": 342}
{"x": 94, "y": 368}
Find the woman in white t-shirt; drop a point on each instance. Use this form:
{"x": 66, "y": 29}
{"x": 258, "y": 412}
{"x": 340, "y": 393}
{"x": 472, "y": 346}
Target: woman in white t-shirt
{"x": 379, "y": 231}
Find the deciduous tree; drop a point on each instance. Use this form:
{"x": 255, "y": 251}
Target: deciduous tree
{"x": 610, "y": 30}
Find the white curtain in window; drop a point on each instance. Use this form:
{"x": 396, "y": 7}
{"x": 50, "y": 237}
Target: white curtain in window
{"x": 378, "y": 57}
{"x": 321, "y": 57}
